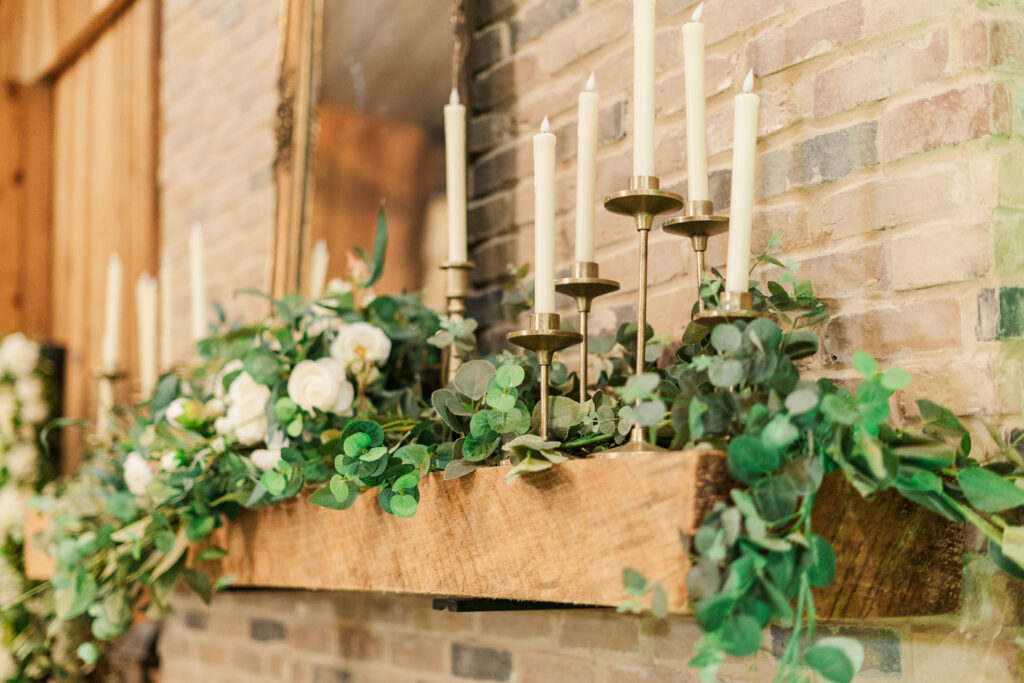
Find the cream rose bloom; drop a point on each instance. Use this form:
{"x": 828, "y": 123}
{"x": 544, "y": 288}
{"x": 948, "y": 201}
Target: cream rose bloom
{"x": 266, "y": 458}
{"x": 175, "y": 409}
{"x": 233, "y": 365}
{"x": 21, "y": 461}
{"x": 321, "y": 385}
{"x": 247, "y": 409}
{"x": 360, "y": 344}
{"x": 137, "y": 473}
{"x": 19, "y": 355}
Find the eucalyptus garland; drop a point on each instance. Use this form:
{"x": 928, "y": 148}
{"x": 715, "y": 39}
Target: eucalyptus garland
{"x": 342, "y": 397}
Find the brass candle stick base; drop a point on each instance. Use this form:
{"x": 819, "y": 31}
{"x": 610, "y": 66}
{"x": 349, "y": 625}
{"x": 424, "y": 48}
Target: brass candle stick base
{"x": 735, "y": 306}
{"x": 698, "y": 222}
{"x": 643, "y": 201}
{"x": 585, "y": 285}
{"x": 456, "y": 290}
{"x": 544, "y": 338}
{"x": 105, "y": 401}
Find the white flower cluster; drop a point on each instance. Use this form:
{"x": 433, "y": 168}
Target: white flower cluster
{"x": 23, "y": 410}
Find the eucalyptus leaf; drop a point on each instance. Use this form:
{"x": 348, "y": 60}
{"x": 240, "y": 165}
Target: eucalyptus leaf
{"x": 471, "y": 378}
{"x": 989, "y": 492}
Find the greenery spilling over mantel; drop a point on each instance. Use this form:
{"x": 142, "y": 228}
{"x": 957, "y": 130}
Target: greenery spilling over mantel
{"x": 344, "y": 395}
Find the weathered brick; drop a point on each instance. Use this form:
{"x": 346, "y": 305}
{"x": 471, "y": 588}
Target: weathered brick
{"x": 732, "y": 18}
{"x": 490, "y": 217}
{"x": 789, "y": 221}
{"x": 950, "y": 117}
{"x": 963, "y": 385}
{"x": 1011, "y": 312}
{"x": 481, "y": 663}
{"x": 939, "y": 257}
{"x": 537, "y": 18}
{"x": 1011, "y": 180}
{"x": 418, "y": 653}
{"x": 325, "y": 673}
{"x": 574, "y": 40}
{"x": 1006, "y": 46}
{"x": 840, "y": 275}
{"x": 974, "y": 38}
{"x": 493, "y": 87}
{"x": 195, "y": 620}
{"x": 489, "y": 131}
{"x": 267, "y": 629}
{"x": 640, "y": 674}
{"x": 988, "y": 314}
{"x": 494, "y": 172}
{"x": 600, "y": 631}
{"x": 486, "y": 11}
{"x": 813, "y": 34}
{"x": 1008, "y": 238}
{"x": 358, "y": 642}
{"x": 879, "y": 74}
{"x": 673, "y": 639}
{"x": 491, "y": 257}
{"x": 924, "y": 325}
{"x": 882, "y": 647}
{"x": 555, "y": 667}
{"x": 490, "y": 46}
{"x": 820, "y": 159}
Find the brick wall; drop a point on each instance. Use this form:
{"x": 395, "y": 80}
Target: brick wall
{"x": 890, "y": 160}
{"x": 219, "y": 66}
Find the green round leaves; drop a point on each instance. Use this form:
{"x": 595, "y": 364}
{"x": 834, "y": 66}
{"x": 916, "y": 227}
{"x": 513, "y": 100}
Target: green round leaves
{"x": 509, "y": 376}
{"x": 820, "y": 561}
{"x": 836, "y": 659}
{"x": 725, "y": 373}
{"x": 749, "y": 459}
{"x": 471, "y": 378}
{"x": 726, "y": 338}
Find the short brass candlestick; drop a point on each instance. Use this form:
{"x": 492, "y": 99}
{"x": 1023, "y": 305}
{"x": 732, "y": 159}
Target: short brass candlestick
{"x": 544, "y": 338}
{"x": 585, "y": 285}
{"x": 734, "y": 306}
{"x": 105, "y": 401}
{"x": 456, "y": 290}
{"x": 643, "y": 201}
{"x": 698, "y": 222}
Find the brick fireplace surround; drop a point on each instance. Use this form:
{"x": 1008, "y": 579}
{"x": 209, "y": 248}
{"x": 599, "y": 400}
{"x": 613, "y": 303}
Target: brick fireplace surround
{"x": 890, "y": 160}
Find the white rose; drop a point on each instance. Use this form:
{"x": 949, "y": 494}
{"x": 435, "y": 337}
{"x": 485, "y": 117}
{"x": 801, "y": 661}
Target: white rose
{"x": 266, "y": 458}
{"x": 11, "y": 510}
{"x": 19, "y": 355}
{"x": 29, "y": 388}
{"x": 215, "y": 408}
{"x": 337, "y": 286}
{"x": 21, "y": 461}
{"x": 222, "y": 425}
{"x": 169, "y": 461}
{"x": 247, "y": 409}
{"x": 360, "y": 343}
{"x": 320, "y": 384}
{"x": 137, "y": 473}
{"x": 34, "y": 412}
{"x": 218, "y": 381}
{"x": 175, "y": 409}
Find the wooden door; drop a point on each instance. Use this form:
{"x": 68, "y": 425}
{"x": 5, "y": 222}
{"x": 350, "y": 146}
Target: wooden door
{"x": 104, "y": 192}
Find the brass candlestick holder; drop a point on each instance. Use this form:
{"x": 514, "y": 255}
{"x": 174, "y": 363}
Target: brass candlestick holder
{"x": 699, "y": 223}
{"x": 642, "y": 201}
{"x": 734, "y": 306}
{"x": 544, "y": 338}
{"x": 105, "y": 401}
{"x": 585, "y": 285}
{"x": 455, "y": 291}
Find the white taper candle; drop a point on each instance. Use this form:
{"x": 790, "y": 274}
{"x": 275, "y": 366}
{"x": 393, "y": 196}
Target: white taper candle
{"x": 455, "y": 175}
{"x": 696, "y": 110}
{"x": 109, "y": 351}
{"x": 145, "y": 320}
{"x": 166, "y": 314}
{"x": 741, "y": 205}
{"x": 586, "y": 170}
{"x": 544, "y": 219}
{"x": 643, "y": 87}
{"x": 318, "y": 269}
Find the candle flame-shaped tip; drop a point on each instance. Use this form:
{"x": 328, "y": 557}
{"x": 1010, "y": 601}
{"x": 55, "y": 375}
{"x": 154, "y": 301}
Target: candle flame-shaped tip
{"x": 115, "y": 258}
{"x": 591, "y": 83}
{"x": 545, "y": 126}
{"x": 321, "y": 244}
{"x": 748, "y": 82}
{"x": 698, "y": 13}
{"x": 454, "y": 97}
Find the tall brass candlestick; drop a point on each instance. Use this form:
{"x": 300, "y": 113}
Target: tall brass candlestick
{"x": 456, "y": 291}
{"x": 105, "y": 402}
{"x": 585, "y": 285}
{"x": 699, "y": 223}
{"x": 642, "y": 201}
{"x": 544, "y": 337}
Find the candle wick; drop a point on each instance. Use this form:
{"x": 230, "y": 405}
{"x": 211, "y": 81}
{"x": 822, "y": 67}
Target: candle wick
{"x": 698, "y": 13}
{"x": 748, "y": 82}
{"x": 545, "y": 126}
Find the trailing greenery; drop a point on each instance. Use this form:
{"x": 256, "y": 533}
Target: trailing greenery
{"x": 342, "y": 397}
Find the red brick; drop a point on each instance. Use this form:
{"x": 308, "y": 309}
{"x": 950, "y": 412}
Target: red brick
{"x": 879, "y": 74}
{"x": 811, "y": 35}
{"x": 956, "y": 115}
{"x": 1006, "y": 46}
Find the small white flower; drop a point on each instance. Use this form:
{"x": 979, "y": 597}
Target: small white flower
{"x": 21, "y": 461}
{"x": 214, "y": 408}
{"x": 337, "y": 286}
{"x": 222, "y": 425}
{"x": 247, "y": 409}
{"x": 266, "y": 458}
{"x": 175, "y": 410}
{"x": 19, "y": 355}
{"x": 29, "y": 388}
{"x": 169, "y": 461}
{"x": 8, "y": 409}
{"x": 360, "y": 343}
{"x": 11, "y": 510}
{"x": 233, "y": 365}
{"x": 137, "y": 473}
{"x": 322, "y": 385}
{"x": 34, "y": 412}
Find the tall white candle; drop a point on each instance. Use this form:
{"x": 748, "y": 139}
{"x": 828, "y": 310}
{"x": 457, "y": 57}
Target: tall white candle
{"x": 197, "y": 279}
{"x": 544, "y": 219}
{"x": 455, "y": 174}
{"x": 166, "y": 330}
{"x": 318, "y": 269}
{"x": 696, "y": 115}
{"x": 109, "y": 350}
{"x": 643, "y": 87}
{"x": 586, "y": 170}
{"x": 741, "y": 209}
{"x": 145, "y": 319}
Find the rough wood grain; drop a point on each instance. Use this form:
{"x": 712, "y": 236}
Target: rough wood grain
{"x": 894, "y": 558}
{"x": 563, "y": 535}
